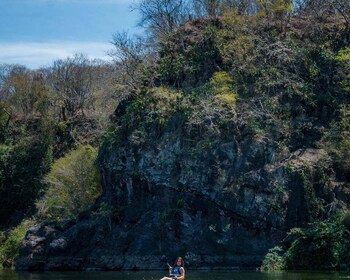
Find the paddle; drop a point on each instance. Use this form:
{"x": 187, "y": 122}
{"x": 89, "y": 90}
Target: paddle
{"x": 165, "y": 260}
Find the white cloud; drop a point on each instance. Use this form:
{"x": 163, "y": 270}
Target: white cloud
{"x": 35, "y": 55}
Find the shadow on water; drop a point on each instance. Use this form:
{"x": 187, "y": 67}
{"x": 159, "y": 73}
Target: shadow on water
{"x": 156, "y": 275}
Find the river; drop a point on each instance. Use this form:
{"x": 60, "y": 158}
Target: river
{"x": 156, "y": 275}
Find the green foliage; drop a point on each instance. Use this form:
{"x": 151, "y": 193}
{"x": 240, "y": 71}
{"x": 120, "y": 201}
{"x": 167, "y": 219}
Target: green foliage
{"x": 22, "y": 166}
{"x": 287, "y": 76}
{"x": 9, "y": 244}
{"x": 211, "y": 113}
{"x": 322, "y": 245}
{"x": 73, "y": 185}
{"x": 221, "y": 83}
{"x": 171, "y": 68}
{"x": 235, "y": 41}
{"x": 222, "y": 86}
{"x": 276, "y": 8}
{"x": 213, "y": 105}
{"x": 4, "y": 123}
{"x": 152, "y": 108}
{"x": 253, "y": 127}
{"x": 337, "y": 140}
{"x": 106, "y": 211}
{"x": 273, "y": 260}
{"x": 313, "y": 204}
{"x": 3, "y": 115}
{"x": 184, "y": 62}
{"x": 343, "y": 57}
{"x": 162, "y": 102}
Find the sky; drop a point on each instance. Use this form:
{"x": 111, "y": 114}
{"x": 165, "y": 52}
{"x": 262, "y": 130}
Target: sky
{"x": 37, "y": 32}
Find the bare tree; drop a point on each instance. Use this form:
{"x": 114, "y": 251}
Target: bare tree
{"x": 134, "y": 57}
{"x": 343, "y": 8}
{"x": 207, "y": 8}
{"x": 4, "y": 111}
{"x": 24, "y": 90}
{"x": 71, "y": 80}
{"x": 323, "y": 9}
{"x": 162, "y": 16}
{"x": 242, "y": 7}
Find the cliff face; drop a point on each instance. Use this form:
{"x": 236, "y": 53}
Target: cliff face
{"x": 216, "y": 167}
{"x": 219, "y": 202}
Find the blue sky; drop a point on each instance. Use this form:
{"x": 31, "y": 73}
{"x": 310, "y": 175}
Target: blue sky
{"x": 36, "y": 32}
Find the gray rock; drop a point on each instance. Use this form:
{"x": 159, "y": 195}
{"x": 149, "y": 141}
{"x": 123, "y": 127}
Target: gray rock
{"x": 58, "y": 244}
{"x": 218, "y": 202}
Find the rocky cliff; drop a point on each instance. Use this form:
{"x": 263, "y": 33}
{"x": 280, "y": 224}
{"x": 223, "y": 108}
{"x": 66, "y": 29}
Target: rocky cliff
{"x": 219, "y": 202}
{"x": 215, "y": 169}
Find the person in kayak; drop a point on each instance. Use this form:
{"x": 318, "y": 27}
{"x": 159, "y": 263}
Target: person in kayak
{"x": 177, "y": 272}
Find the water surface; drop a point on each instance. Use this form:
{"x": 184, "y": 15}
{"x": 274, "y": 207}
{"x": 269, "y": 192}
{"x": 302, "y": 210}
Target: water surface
{"x": 156, "y": 275}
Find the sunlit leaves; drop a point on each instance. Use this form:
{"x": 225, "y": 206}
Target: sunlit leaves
{"x": 73, "y": 185}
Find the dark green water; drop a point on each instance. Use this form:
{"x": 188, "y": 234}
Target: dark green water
{"x": 156, "y": 275}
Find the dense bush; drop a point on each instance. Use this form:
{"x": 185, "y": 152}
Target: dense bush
{"x": 273, "y": 260}
{"x": 22, "y": 167}
{"x": 320, "y": 245}
{"x": 186, "y": 62}
{"x": 336, "y": 141}
{"x": 152, "y": 108}
{"x": 9, "y": 244}
{"x": 222, "y": 86}
{"x": 73, "y": 184}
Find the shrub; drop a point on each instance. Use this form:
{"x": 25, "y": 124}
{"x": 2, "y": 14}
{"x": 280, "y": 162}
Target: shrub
{"x": 221, "y": 85}
{"x": 162, "y": 102}
{"x": 22, "y": 167}
{"x": 336, "y": 140}
{"x": 273, "y": 260}
{"x": 213, "y": 106}
{"x": 322, "y": 245}
{"x": 73, "y": 185}
{"x": 343, "y": 57}
{"x": 9, "y": 244}
{"x": 152, "y": 107}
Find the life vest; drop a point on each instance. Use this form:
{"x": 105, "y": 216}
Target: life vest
{"x": 176, "y": 271}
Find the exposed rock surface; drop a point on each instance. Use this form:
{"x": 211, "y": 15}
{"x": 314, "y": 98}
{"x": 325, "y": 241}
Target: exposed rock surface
{"x": 216, "y": 202}
{"x": 215, "y": 154}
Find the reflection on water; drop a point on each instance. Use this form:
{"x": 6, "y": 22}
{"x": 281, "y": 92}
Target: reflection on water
{"x": 156, "y": 275}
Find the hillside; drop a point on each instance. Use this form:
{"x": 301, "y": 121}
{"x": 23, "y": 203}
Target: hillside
{"x": 231, "y": 131}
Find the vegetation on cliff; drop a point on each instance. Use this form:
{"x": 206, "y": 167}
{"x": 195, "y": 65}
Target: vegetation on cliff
{"x": 320, "y": 245}
{"x": 273, "y": 72}
{"x": 73, "y": 184}
{"x": 280, "y": 72}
